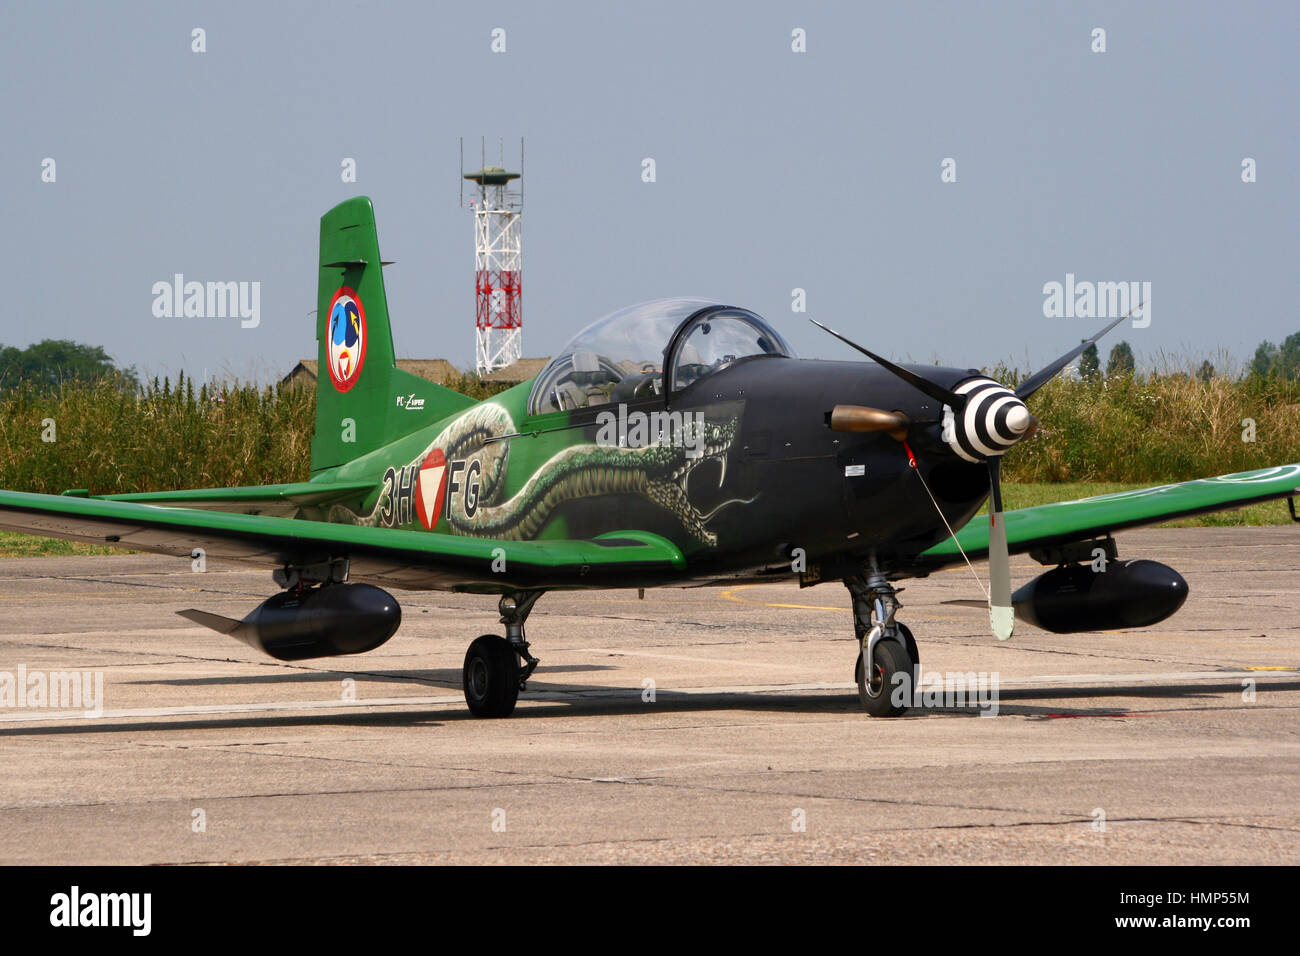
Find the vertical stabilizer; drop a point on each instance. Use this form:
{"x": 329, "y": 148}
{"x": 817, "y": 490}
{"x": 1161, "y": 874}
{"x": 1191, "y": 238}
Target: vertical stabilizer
{"x": 363, "y": 401}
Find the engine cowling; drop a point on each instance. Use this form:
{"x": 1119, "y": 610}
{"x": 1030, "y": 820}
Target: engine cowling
{"x": 1074, "y": 598}
{"x": 326, "y": 621}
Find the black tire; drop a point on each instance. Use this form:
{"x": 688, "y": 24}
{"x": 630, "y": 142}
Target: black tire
{"x": 878, "y": 697}
{"x": 490, "y": 677}
{"x": 909, "y": 642}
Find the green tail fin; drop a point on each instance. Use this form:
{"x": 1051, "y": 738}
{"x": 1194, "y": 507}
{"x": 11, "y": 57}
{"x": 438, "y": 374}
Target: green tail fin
{"x": 363, "y": 400}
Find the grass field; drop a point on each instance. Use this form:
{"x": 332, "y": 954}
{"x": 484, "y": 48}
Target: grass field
{"x": 25, "y": 546}
{"x": 1015, "y": 495}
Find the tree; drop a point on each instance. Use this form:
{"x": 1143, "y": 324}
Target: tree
{"x": 1288, "y": 357}
{"x": 1121, "y": 360}
{"x": 1264, "y": 358}
{"x": 1282, "y": 361}
{"x": 1206, "y": 371}
{"x": 52, "y": 362}
{"x": 1089, "y": 363}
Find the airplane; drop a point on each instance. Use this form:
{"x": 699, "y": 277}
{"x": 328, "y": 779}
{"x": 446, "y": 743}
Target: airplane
{"x": 679, "y": 442}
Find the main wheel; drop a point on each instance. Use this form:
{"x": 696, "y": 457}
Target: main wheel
{"x": 491, "y": 677}
{"x": 877, "y": 694}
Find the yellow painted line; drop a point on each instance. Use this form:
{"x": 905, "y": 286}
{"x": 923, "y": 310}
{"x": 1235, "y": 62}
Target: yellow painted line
{"x": 730, "y": 595}
{"x": 797, "y": 607}
{"x": 1273, "y": 668}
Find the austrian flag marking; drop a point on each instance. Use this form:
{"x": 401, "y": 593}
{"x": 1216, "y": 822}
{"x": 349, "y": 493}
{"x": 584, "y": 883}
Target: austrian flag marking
{"x": 431, "y": 488}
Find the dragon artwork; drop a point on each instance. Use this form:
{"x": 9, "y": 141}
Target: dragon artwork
{"x": 657, "y": 471}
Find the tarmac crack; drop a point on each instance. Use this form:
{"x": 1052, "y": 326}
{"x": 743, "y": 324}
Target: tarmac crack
{"x": 162, "y": 801}
{"x": 1110, "y": 821}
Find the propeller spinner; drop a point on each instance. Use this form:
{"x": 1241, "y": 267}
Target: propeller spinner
{"x": 993, "y": 420}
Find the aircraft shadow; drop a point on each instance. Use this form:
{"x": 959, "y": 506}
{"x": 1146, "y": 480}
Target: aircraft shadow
{"x": 442, "y": 676}
{"x": 628, "y": 702}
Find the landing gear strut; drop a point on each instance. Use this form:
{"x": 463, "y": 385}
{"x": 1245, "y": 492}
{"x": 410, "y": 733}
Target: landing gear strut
{"x": 497, "y": 668}
{"x": 884, "y": 642}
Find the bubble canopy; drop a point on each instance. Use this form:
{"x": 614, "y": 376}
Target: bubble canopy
{"x": 622, "y": 357}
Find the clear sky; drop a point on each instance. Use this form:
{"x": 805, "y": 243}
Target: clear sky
{"x": 775, "y": 170}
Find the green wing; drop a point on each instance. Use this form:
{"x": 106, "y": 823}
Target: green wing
{"x": 405, "y": 559}
{"x": 1067, "y": 521}
{"x": 410, "y": 559}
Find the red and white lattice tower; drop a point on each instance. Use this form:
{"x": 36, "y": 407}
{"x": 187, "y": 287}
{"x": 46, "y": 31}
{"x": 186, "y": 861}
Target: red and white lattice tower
{"x": 498, "y": 287}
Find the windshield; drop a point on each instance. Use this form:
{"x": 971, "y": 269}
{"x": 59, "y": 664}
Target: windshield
{"x": 718, "y": 338}
{"x": 620, "y": 357}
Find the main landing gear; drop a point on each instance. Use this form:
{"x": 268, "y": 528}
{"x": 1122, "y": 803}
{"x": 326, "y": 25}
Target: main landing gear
{"x": 497, "y": 668}
{"x": 885, "y": 688}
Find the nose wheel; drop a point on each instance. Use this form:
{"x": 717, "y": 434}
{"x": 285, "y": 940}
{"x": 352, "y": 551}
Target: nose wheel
{"x": 883, "y": 695}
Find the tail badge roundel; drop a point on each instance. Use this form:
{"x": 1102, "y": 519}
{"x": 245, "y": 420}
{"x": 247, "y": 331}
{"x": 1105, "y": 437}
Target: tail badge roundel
{"x": 346, "y": 345}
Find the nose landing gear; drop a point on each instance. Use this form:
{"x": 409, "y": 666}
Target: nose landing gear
{"x": 885, "y": 687}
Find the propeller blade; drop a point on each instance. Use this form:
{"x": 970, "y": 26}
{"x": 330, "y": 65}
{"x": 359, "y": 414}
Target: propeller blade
{"x": 937, "y": 392}
{"x": 1045, "y": 375}
{"x": 1001, "y": 613}
{"x": 860, "y": 418}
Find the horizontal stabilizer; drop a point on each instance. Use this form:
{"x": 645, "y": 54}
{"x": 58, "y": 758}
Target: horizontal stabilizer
{"x": 287, "y": 501}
